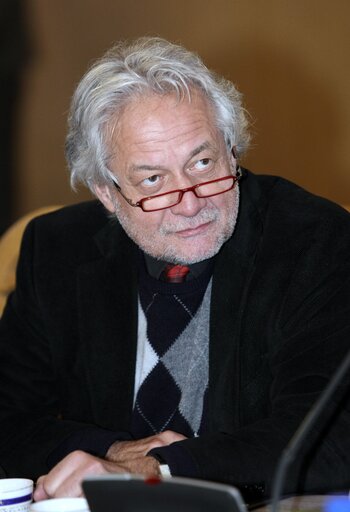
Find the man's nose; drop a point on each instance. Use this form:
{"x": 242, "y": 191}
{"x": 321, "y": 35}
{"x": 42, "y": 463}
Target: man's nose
{"x": 189, "y": 205}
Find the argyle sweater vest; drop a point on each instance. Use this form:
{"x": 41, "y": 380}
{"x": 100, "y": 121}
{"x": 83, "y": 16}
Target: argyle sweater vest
{"x": 171, "y": 380}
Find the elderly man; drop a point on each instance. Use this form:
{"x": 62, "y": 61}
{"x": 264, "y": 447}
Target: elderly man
{"x": 186, "y": 321}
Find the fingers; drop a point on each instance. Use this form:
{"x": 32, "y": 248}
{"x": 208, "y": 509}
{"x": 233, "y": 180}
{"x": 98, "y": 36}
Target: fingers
{"x": 163, "y": 439}
{"x": 169, "y": 437}
{"x": 39, "y": 492}
{"x": 124, "y": 451}
{"x": 64, "y": 480}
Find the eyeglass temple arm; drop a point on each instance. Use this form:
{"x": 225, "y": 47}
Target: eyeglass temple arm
{"x": 115, "y": 183}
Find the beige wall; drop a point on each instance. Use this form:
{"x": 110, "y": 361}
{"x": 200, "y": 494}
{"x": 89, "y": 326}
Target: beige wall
{"x": 290, "y": 58}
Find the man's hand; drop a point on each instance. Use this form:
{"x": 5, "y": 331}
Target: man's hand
{"x": 65, "y": 478}
{"x": 128, "y": 452}
{"x": 122, "y": 457}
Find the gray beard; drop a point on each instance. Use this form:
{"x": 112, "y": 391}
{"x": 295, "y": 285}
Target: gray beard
{"x": 170, "y": 253}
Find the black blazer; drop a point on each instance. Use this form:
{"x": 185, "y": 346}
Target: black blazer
{"x": 279, "y": 326}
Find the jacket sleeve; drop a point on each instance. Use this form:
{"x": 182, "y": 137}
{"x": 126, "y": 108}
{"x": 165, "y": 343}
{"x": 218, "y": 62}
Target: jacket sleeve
{"x": 34, "y": 435}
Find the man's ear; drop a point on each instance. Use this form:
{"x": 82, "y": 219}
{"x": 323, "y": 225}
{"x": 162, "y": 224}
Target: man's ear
{"x": 103, "y": 192}
{"x": 233, "y": 158}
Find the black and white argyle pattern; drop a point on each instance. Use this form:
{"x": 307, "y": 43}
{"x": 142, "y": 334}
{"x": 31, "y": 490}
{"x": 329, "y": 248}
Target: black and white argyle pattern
{"x": 172, "y": 363}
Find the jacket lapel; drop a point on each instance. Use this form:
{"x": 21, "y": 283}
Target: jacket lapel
{"x": 233, "y": 271}
{"x": 107, "y": 305}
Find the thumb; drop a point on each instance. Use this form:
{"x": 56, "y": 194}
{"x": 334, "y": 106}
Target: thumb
{"x": 40, "y": 493}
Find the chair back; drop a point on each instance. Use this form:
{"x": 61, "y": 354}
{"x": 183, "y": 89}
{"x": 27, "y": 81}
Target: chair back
{"x": 10, "y": 243}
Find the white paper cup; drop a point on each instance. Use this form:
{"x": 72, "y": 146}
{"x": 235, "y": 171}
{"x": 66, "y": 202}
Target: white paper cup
{"x": 16, "y": 494}
{"x": 60, "y": 505}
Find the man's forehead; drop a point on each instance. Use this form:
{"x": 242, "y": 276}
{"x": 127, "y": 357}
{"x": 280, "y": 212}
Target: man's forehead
{"x": 152, "y": 123}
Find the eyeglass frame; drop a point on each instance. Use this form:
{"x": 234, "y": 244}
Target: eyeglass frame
{"x": 182, "y": 191}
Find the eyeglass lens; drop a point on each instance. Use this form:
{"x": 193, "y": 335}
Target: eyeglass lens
{"x": 202, "y": 190}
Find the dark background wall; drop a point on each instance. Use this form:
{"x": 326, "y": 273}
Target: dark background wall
{"x": 14, "y": 50}
{"x": 290, "y": 58}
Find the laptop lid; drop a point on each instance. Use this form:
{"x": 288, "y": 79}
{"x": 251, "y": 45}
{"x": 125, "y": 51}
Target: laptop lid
{"x": 130, "y": 493}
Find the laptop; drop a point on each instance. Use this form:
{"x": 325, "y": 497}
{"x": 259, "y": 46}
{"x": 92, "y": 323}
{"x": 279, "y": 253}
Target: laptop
{"x": 130, "y": 493}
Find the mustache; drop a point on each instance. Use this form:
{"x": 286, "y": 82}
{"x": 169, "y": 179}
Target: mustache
{"x": 202, "y": 217}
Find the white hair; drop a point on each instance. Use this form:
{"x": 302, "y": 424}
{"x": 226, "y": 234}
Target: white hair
{"x": 146, "y": 65}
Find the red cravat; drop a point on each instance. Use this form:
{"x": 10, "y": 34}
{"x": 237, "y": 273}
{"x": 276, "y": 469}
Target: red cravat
{"x": 176, "y": 273}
